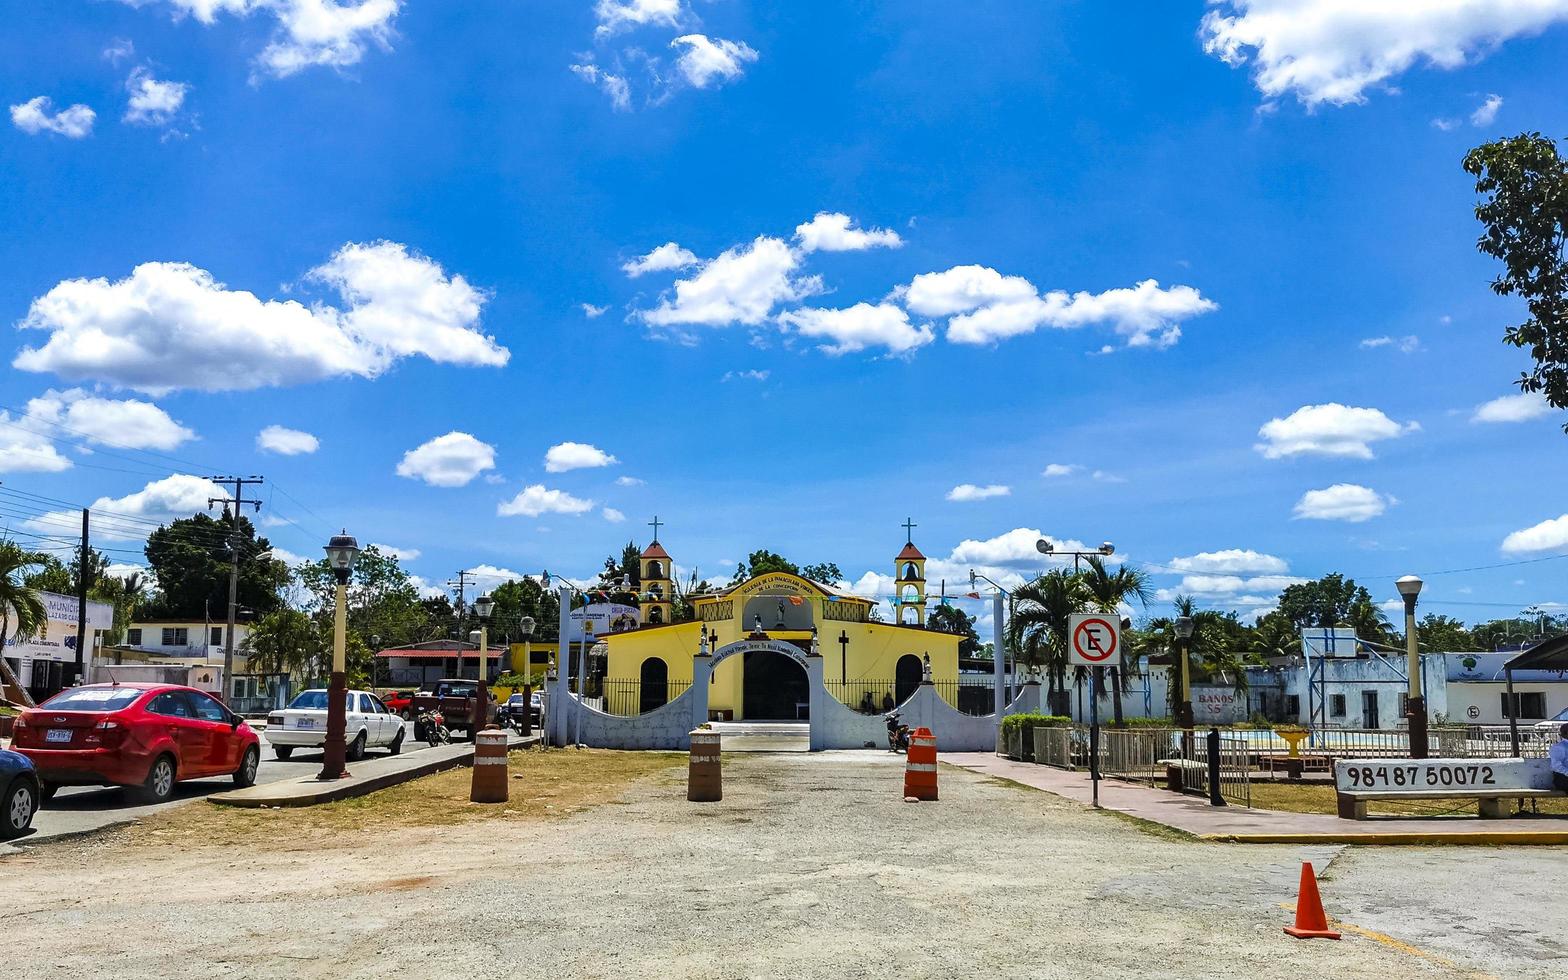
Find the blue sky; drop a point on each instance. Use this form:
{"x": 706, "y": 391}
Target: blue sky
{"x": 378, "y": 223}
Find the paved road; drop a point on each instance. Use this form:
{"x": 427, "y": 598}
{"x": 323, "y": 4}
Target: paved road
{"x": 81, "y": 809}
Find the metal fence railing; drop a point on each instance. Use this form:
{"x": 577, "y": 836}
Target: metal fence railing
{"x": 630, "y": 696}
{"x": 1137, "y": 753}
{"x": 1058, "y": 747}
{"x": 875, "y": 696}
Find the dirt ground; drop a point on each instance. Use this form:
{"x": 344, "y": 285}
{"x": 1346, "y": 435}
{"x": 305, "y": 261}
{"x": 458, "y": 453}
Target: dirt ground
{"x": 812, "y": 866}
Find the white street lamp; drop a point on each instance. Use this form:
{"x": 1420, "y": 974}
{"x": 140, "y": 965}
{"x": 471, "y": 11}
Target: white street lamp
{"x": 484, "y": 607}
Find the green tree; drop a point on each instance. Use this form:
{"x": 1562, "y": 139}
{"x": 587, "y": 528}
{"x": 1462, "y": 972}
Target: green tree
{"x": 286, "y": 641}
{"x": 191, "y": 559}
{"x": 1037, "y": 628}
{"x": 762, "y": 562}
{"x": 950, "y": 619}
{"x": 825, "y": 572}
{"x": 51, "y": 575}
{"x": 124, "y": 594}
{"x": 1443, "y": 634}
{"x": 1523, "y": 184}
{"x": 1330, "y": 601}
{"x": 1219, "y": 644}
{"x": 382, "y": 600}
{"x": 18, "y": 601}
{"x": 1274, "y": 635}
{"x": 526, "y": 597}
{"x": 1108, "y": 592}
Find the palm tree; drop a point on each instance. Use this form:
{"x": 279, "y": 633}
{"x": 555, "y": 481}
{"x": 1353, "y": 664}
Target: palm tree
{"x": 1213, "y": 649}
{"x": 124, "y": 594}
{"x": 16, "y": 599}
{"x": 1037, "y": 629}
{"x": 1108, "y": 592}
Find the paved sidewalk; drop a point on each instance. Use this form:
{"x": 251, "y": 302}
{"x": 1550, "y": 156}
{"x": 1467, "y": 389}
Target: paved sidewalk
{"x": 365, "y": 776}
{"x": 1194, "y": 816}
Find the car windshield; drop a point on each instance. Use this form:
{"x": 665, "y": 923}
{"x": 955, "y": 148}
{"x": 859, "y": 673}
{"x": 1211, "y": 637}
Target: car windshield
{"x": 457, "y": 690}
{"x": 515, "y": 699}
{"x": 1560, "y": 716}
{"x": 317, "y": 701}
{"x": 93, "y": 699}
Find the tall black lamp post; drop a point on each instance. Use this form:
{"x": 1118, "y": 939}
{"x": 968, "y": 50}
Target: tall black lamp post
{"x": 341, "y": 552}
{"x": 1184, "y": 650}
{"x": 1415, "y": 701}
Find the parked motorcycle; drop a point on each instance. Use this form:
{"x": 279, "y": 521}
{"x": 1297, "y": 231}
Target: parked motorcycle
{"x": 897, "y": 734}
{"x": 430, "y": 727}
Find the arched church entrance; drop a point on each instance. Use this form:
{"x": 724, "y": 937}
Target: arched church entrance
{"x": 655, "y": 685}
{"x": 774, "y": 687}
{"x": 906, "y": 677}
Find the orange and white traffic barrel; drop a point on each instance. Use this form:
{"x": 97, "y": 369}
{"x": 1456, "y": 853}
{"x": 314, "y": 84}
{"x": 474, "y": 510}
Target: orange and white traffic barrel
{"x": 920, "y": 768}
{"x": 704, "y": 777}
{"x": 490, "y": 779}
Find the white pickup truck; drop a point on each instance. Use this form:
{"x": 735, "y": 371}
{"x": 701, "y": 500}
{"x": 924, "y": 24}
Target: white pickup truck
{"x": 303, "y": 724}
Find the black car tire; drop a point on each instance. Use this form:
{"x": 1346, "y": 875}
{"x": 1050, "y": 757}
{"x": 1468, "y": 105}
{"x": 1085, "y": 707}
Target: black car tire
{"x": 405, "y": 715}
{"x": 283, "y": 751}
{"x": 356, "y": 748}
{"x": 245, "y": 775}
{"x": 397, "y": 743}
{"x": 161, "y": 777}
{"x": 17, "y": 807}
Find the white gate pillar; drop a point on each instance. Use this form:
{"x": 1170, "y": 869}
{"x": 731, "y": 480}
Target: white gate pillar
{"x": 701, "y": 684}
{"x": 817, "y": 698}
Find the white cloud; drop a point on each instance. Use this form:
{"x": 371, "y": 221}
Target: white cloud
{"x": 1486, "y": 112}
{"x": 490, "y": 576}
{"x": 119, "y": 50}
{"x": 708, "y": 60}
{"x": 1342, "y": 502}
{"x": 665, "y": 258}
{"x": 968, "y": 491}
{"x": 1331, "y": 429}
{"x": 620, "y": 15}
{"x": 290, "y": 558}
{"x": 740, "y": 286}
{"x": 1105, "y": 476}
{"x": 575, "y": 456}
{"x": 1406, "y": 345}
{"x": 615, "y": 86}
{"x": 24, "y": 450}
{"x": 858, "y": 327}
{"x": 536, "y": 499}
{"x": 612, "y": 515}
{"x": 961, "y": 289}
{"x": 121, "y": 424}
{"x": 1513, "y": 408}
{"x": 1226, "y": 586}
{"x": 832, "y": 232}
{"x": 1332, "y": 51}
{"x": 1549, "y": 535}
{"x": 1060, "y": 469}
{"x": 752, "y": 375}
{"x": 452, "y": 460}
{"x": 286, "y": 442}
{"x": 34, "y": 117}
{"x": 153, "y": 103}
{"x": 628, "y": 481}
{"x": 171, "y": 325}
{"x": 593, "y": 312}
{"x": 1147, "y": 315}
{"x": 330, "y": 33}
{"x": 160, "y": 501}
{"x": 401, "y": 554}
{"x": 1231, "y": 561}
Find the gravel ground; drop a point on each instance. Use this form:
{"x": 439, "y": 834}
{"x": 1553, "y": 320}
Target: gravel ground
{"x": 812, "y": 866}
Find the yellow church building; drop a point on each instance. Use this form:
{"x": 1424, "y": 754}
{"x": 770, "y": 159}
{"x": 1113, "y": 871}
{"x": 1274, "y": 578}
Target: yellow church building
{"x": 867, "y": 664}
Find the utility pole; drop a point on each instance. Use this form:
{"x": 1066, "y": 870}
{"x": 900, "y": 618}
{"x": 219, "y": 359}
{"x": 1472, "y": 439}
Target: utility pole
{"x": 81, "y": 601}
{"x": 461, "y": 584}
{"x": 233, "y": 505}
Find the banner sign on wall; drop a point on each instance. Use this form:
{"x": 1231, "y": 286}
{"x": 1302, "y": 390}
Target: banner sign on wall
{"x": 56, "y": 637}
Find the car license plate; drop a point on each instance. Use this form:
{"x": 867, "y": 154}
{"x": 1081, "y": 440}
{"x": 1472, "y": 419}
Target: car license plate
{"x": 58, "y": 735}
{"x": 307, "y": 723}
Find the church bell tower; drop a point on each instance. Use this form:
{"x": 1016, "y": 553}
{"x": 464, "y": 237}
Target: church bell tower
{"x": 658, "y": 582}
{"x": 909, "y": 580}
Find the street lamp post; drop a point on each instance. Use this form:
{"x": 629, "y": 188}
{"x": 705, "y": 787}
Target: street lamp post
{"x": 375, "y": 648}
{"x": 528, "y": 675}
{"x": 341, "y": 552}
{"x": 1184, "y": 627}
{"x": 484, "y": 606}
{"x": 1415, "y": 702}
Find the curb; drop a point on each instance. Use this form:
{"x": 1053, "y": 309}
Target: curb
{"x": 1537, "y": 838}
{"x": 349, "y": 788}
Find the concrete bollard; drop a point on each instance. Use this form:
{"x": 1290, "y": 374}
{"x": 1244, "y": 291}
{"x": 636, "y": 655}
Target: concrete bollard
{"x": 704, "y": 777}
{"x": 490, "y": 770}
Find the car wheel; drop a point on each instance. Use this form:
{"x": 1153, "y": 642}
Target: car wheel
{"x": 405, "y": 715}
{"x": 397, "y": 743}
{"x": 160, "y": 781}
{"x": 17, "y": 809}
{"x": 245, "y": 775}
{"x": 283, "y": 751}
{"x": 356, "y": 748}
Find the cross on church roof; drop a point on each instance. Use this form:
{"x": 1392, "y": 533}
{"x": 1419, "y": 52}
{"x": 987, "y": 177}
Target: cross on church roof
{"x": 909, "y": 530}
{"x": 655, "y": 525}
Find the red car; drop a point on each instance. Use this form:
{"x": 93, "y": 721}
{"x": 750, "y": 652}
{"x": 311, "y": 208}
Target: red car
{"x": 146, "y": 736}
{"x": 397, "y": 702}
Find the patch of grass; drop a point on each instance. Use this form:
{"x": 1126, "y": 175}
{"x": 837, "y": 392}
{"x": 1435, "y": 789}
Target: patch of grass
{"x": 544, "y": 785}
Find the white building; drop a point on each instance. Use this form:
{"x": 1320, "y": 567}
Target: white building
{"x": 45, "y": 662}
{"x": 186, "y": 639}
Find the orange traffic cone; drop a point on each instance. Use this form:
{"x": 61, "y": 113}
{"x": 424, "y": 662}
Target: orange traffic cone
{"x": 1311, "y": 923}
{"x": 920, "y": 766}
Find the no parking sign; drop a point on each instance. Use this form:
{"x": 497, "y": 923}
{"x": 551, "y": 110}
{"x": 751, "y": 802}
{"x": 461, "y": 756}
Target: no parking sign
{"x": 1095, "y": 640}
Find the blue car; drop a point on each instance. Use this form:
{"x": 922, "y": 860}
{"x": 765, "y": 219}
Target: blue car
{"x": 19, "y": 794}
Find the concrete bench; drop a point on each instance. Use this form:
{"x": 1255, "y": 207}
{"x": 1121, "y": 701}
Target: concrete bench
{"x": 1176, "y": 768}
{"x": 1489, "y": 782}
